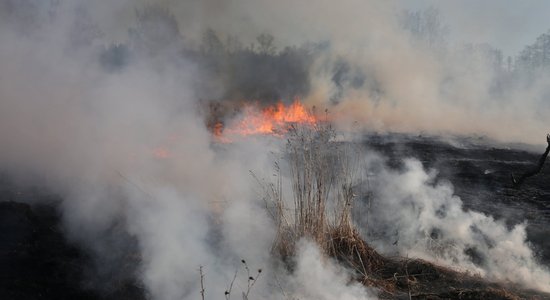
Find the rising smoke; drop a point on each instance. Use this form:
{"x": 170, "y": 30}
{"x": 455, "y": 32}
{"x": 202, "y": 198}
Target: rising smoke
{"x": 414, "y": 214}
{"x": 109, "y": 107}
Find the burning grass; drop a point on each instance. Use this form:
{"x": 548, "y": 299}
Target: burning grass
{"x": 324, "y": 177}
{"x": 270, "y": 120}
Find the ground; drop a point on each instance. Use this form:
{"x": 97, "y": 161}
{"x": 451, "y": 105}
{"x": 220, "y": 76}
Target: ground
{"x": 38, "y": 262}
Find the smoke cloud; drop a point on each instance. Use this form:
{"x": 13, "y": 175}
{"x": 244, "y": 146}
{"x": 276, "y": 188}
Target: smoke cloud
{"x": 108, "y": 106}
{"x": 415, "y": 215}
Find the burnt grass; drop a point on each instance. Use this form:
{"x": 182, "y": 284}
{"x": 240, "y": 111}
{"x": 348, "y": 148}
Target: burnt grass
{"x": 480, "y": 171}
{"x": 36, "y": 259}
{"x": 403, "y": 278}
{"x": 38, "y": 262}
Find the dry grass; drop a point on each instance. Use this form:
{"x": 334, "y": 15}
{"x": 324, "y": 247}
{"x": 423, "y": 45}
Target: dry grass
{"x": 324, "y": 178}
{"x": 323, "y": 174}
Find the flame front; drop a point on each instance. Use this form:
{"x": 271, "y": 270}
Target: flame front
{"x": 272, "y": 120}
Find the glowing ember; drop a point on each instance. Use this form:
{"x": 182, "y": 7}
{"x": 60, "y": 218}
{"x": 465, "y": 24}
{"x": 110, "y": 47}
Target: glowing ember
{"x": 273, "y": 120}
{"x": 217, "y": 130}
{"x": 161, "y": 153}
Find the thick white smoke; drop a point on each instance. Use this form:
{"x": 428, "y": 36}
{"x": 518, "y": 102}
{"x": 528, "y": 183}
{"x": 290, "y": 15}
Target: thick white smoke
{"x": 127, "y": 149}
{"x": 420, "y": 217}
{"x": 319, "y": 278}
{"x": 129, "y": 153}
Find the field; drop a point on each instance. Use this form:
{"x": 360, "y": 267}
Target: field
{"x": 40, "y": 262}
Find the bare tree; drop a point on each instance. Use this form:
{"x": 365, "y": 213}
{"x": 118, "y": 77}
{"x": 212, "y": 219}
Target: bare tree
{"x": 211, "y": 43}
{"x": 534, "y": 171}
{"x": 425, "y": 27}
{"x": 156, "y": 31}
{"x": 265, "y": 42}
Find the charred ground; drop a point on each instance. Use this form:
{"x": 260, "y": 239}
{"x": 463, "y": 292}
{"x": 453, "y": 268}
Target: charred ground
{"x": 480, "y": 171}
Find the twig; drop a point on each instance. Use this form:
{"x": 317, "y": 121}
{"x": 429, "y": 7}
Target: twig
{"x": 395, "y": 276}
{"x": 280, "y": 287}
{"x": 536, "y": 169}
{"x": 361, "y": 260}
{"x": 228, "y": 292}
{"x": 407, "y": 273}
{"x": 202, "y": 282}
{"x": 251, "y": 280}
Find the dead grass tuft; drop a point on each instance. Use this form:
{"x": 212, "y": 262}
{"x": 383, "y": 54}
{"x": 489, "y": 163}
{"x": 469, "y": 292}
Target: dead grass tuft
{"x": 324, "y": 178}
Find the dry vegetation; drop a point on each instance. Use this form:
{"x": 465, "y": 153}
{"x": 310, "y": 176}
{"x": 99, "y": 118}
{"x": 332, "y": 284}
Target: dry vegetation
{"x": 324, "y": 178}
{"x": 322, "y": 175}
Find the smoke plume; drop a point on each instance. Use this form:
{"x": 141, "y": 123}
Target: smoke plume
{"x": 109, "y": 106}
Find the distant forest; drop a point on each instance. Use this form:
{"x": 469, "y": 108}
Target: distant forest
{"x": 264, "y": 70}
{"x": 230, "y": 70}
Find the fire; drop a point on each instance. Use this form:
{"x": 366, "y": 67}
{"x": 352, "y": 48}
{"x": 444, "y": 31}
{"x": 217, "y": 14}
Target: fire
{"x": 161, "y": 153}
{"x": 272, "y": 120}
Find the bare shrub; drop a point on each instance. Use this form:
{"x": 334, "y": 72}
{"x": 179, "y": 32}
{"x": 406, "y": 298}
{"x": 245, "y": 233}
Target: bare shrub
{"x": 323, "y": 173}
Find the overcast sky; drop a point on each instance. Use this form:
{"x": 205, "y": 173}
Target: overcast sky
{"x": 506, "y": 24}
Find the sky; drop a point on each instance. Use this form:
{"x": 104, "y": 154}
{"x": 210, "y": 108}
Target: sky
{"x": 506, "y": 24}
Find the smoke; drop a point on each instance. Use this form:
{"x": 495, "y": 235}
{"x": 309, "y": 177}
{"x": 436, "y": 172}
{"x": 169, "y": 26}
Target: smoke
{"x": 104, "y": 105}
{"x": 117, "y": 132}
{"x": 414, "y": 215}
{"x": 91, "y": 135}
{"x": 408, "y": 87}
{"x": 325, "y": 279}
{"x": 382, "y": 69}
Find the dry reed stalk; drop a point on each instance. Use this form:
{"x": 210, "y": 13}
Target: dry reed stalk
{"x": 323, "y": 175}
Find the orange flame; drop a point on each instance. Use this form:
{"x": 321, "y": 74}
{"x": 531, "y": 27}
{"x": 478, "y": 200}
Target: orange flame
{"x": 161, "y": 153}
{"x": 272, "y": 120}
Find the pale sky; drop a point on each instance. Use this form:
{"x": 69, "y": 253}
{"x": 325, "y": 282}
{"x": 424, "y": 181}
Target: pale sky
{"x": 506, "y": 24}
